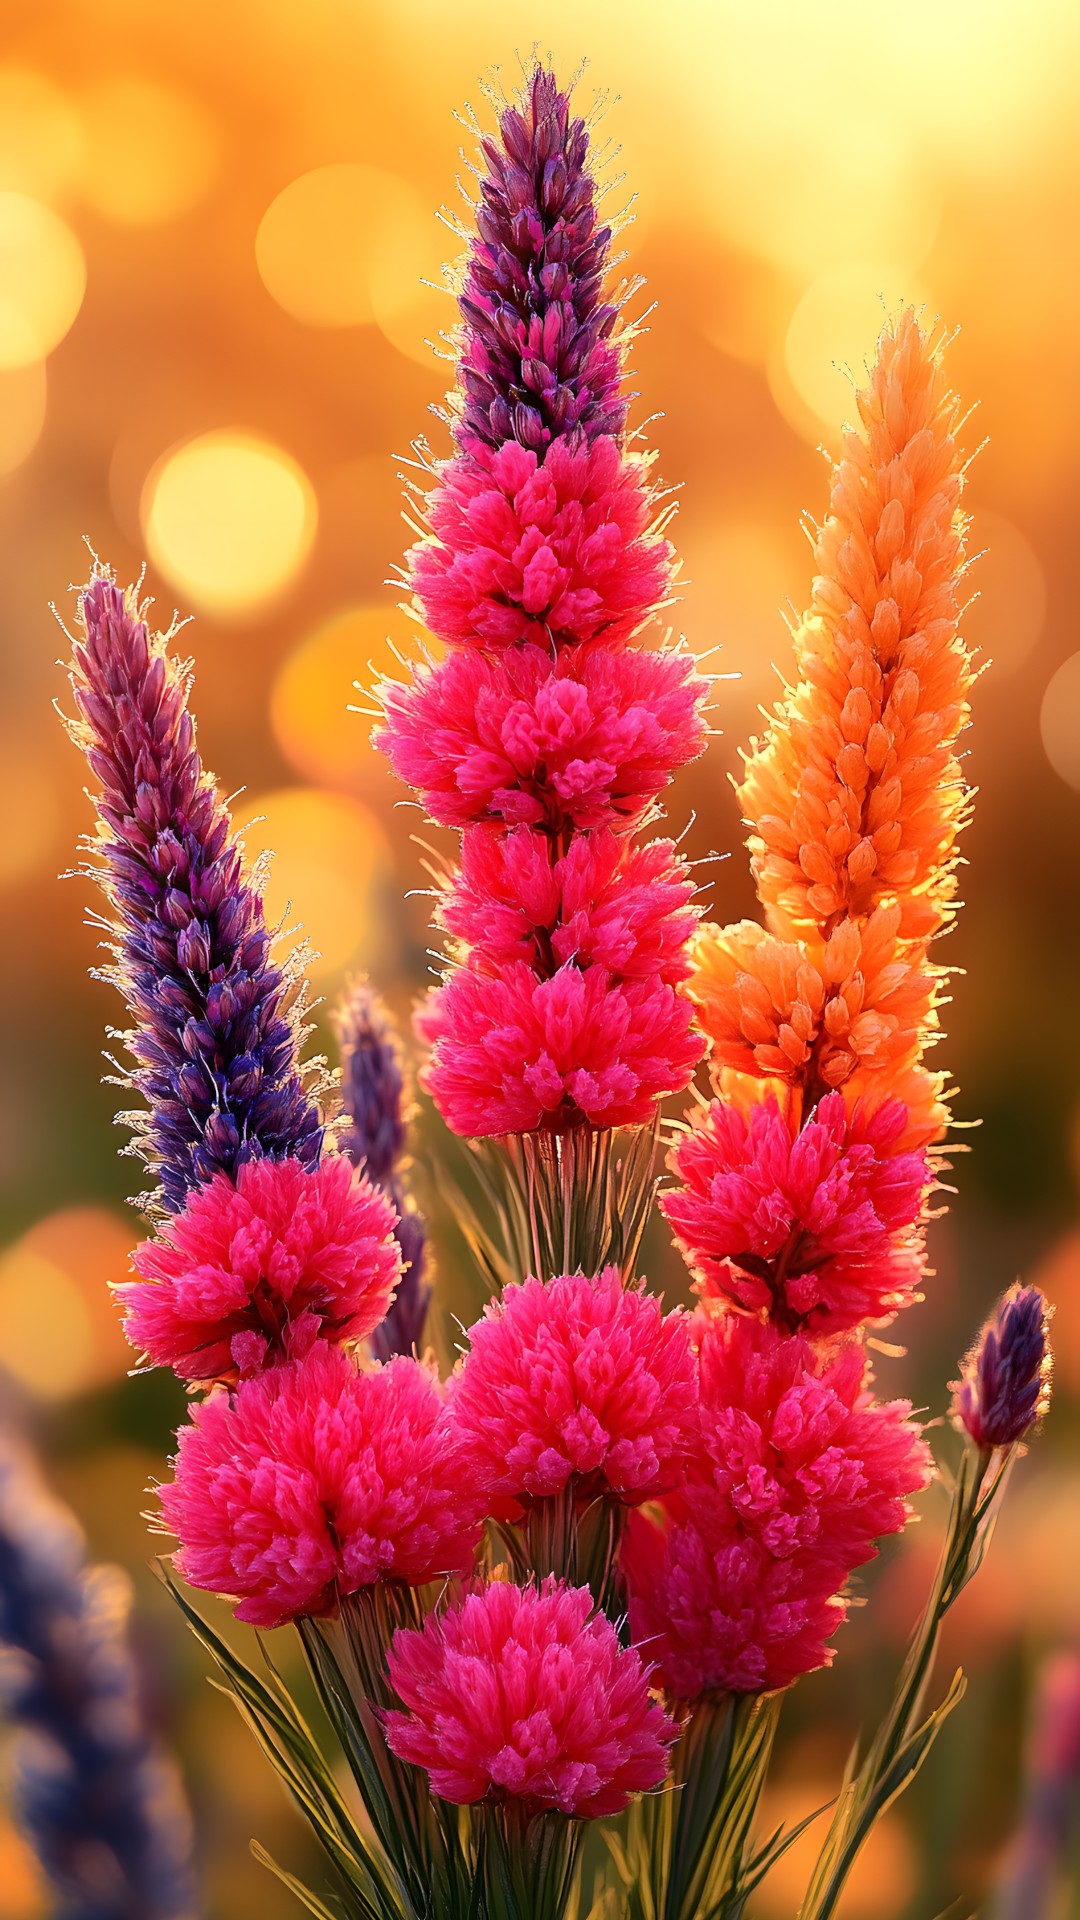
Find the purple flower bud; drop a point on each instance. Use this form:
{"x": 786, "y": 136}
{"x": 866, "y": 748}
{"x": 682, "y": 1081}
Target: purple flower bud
{"x": 373, "y": 1097}
{"x": 1004, "y": 1387}
{"x": 215, "y": 1042}
{"x": 538, "y": 358}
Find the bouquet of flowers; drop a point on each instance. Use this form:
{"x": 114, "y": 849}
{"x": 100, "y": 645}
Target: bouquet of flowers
{"x": 552, "y": 1605}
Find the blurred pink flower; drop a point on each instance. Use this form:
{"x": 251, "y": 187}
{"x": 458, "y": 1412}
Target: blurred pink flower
{"x": 525, "y": 1694}
{"x": 315, "y": 1479}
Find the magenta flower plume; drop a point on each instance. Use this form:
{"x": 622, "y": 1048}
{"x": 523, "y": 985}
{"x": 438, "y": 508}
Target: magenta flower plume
{"x": 581, "y": 1383}
{"x": 524, "y": 549}
{"x": 544, "y": 734}
{"x": 797, "y": 1472}
{"x": 816, "y": 1226}
{"x": 605, "y": 901}
{"x": 374, "y": 1101}
{"x": 250, "y": 1274}
{"x": 583, "y": 740}
{"x": 1004, "y": 1388}
{"x": 512, "y": 1053}
{"x": 524, "y": 1694}
{"x": 315, "y": 1479}
{"x": 215, "y": 1040}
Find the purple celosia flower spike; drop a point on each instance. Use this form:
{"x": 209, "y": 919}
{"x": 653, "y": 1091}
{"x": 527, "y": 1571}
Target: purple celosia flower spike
{"x": 100, "y": 1802}
{"x": 373, "y": 1095}
{"x": 537, "y": 357}
{"x": 216, "y": 1035}
{"x": 1004, "y": 1386}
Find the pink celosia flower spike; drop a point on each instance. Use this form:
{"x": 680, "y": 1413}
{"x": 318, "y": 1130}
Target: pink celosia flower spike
{"x": 247, "y": 1274}
{"x": 545, "y": 734}
{"x": 315, "y": 1479}
{"x": 580, "y": 1384}
{"x": 738, "y": 1585}
{"x": 523, "y": 1694}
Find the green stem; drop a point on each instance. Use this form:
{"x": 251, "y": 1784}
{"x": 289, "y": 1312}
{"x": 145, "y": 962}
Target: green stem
{"x": 903, "y": 1739}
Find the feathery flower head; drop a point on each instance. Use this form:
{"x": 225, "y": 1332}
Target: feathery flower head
{"x": 512, "y": 1052}
{"x": 372, "y": 1083}
{"x": 793, "y": 1442}
{"x": 795, "y": 1475}
{"x": 216, "y": 1038}
{"x": 603, "y": 901}
{"x": 715, "y": 1611}
{"x": 576, "y": 1381}
{"x": 557, "y": 550}
{"x": 524, "y": 1694}
{"x": 315, "y": 1479}
{"x": 537, "y": 356}
{"x": 816, "y": 1227}
{"x": 856, "y": 796}
{"x": 252, "y": 1273}
{"x": 101, "y": 1803}
{"x": 588, "y": 739}
{"x": 1004, "y": 1388}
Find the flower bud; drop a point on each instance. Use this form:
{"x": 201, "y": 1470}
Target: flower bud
{"x": 1004, "y": 1386}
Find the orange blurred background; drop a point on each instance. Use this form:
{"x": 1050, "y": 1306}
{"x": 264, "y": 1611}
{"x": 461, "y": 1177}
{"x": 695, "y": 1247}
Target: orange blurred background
{"x": 216, "y": 234}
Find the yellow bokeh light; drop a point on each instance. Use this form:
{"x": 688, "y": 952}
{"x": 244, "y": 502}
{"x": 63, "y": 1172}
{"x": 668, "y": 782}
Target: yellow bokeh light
{"x": 831, "y": 339}
{"x": 229, "y": 519}
{"x": 315, "y": 690}
{"x": 1059, "y": 721}
{"x": 347, "y": 244}
{"x": 59, "y": 1323}
{"x": 42, "y": 279}
{"x": 41, "y": 138}
{"x": 330, "y": 874}
{"x": 23, "y": 394}
{"x": 152, "y": 152}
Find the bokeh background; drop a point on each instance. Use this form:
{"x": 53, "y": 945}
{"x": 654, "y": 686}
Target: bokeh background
{"x": 216, "y": 234}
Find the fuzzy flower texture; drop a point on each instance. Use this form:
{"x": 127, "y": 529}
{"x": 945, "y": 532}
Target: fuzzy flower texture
{"x": 800, "y": 1191}
{"x": 525, "y": 1694}
{"x": 545, "y": 735}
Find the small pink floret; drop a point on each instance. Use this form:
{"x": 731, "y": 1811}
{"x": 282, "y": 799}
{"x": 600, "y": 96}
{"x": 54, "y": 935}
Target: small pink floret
{"x": 587, "y": 739}
{"x": 797, "y": 1472}
{"x": 512, "y": 1052}
{"x": 249, "y": 1273}
{"x": 525, "y": 1694}
{"x": 553, "y": 550}
{"x": 819, "y": 1226}
{"x": 576, "y": 1382}
{"x": 604, "y": 902}
{"x": 317, "y": 1478}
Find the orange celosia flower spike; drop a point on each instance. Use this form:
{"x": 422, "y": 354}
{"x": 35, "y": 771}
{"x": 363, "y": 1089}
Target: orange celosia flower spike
{"x": 856, "y": 795}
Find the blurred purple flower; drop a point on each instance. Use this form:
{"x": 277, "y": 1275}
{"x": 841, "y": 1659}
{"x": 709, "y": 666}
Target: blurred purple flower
{"x": 100, "y": 1802}
{"x": 216, "y": 1035}
{"x": 373, "y": 1095}
{"x": 1004, "y": 1386}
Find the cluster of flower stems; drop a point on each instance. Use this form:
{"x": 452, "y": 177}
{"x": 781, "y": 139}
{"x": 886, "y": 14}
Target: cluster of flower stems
{"x": 572, "y": 1583}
